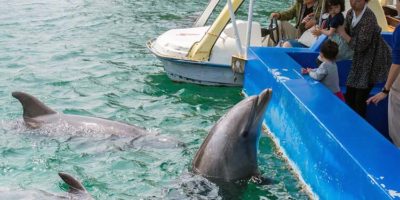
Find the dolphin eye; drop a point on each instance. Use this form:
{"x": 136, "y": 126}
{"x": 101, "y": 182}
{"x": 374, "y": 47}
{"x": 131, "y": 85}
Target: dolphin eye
{"x": 245, "y": 134}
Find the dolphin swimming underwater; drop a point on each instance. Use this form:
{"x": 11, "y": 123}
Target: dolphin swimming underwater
{"x": 76, "y": 191}
{"x": 229, "y": 152}
{"x": 37, "y": 114}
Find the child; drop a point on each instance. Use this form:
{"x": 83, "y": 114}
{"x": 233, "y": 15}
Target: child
{"x": 327, "y": 72}
{"x": 336, "y": 19}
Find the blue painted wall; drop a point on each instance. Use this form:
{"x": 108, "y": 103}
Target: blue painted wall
{"x": 339, "y": 154}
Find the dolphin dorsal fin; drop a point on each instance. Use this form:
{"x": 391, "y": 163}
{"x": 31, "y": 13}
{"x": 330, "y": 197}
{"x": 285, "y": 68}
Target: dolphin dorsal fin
{"x": 32, "y": 106}
{"x": 74, "y": 185}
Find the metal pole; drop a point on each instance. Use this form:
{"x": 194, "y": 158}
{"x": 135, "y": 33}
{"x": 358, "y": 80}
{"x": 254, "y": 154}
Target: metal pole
{"x": 203, "y": 18}
{"x": 322, "y": 12}
{"x": 249, "y": 26}
{"x": 233, "y": 19}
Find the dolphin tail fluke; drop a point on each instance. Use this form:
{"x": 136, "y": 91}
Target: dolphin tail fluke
{"x": 31, "y": 105}
{"x": 74, "y": 185}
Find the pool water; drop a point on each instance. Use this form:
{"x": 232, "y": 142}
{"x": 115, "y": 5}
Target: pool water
{"x": 89, "y": 58}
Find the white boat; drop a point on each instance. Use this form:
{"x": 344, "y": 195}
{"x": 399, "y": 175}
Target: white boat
{"x": 173, "y": 46}
{"x": 203, "y": 54}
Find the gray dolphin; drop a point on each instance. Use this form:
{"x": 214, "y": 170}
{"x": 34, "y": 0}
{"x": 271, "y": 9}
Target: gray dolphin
{"x": 76, "y": 191}
{"x": 36, "y": 114}
{"x": 229, "y": 152}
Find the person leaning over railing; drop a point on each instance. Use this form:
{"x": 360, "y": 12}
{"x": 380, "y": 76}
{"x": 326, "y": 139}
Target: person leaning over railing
{"x": 392, "y": 87}
{"x": 306, "y": 13}
{"x": 371, "y": 59}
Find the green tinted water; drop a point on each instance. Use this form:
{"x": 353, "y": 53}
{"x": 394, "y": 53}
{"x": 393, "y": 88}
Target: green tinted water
{"x": 89, "y": 58}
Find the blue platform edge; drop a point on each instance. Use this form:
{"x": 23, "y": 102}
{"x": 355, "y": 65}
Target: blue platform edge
{"x": 338, "y": 154}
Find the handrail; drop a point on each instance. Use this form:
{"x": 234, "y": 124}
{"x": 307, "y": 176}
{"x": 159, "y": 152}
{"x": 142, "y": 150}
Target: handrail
{"x": 249, "y": 25}
{"x": 235, "y": 29}
{"x": 200, "y": 51}
{"x": 203, "y": 18}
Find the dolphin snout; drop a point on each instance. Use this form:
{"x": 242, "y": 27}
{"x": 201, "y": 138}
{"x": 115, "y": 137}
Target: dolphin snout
{"x": 263, "y": 99}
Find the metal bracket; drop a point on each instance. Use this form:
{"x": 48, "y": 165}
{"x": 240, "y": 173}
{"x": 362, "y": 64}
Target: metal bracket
{"x": 237, "y": 64}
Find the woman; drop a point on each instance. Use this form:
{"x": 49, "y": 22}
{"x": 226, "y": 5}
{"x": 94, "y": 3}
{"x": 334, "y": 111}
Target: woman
{"x": 371, "y": 59}
{"x": 392, "y": 87}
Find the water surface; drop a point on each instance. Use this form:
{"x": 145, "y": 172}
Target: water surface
{"x": 89, "y": 58}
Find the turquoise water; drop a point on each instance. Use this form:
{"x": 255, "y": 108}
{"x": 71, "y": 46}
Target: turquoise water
{"x": 89, "y": 58}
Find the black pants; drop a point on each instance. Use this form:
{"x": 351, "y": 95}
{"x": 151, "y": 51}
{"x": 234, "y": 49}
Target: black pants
{"x": 356, "y": 98}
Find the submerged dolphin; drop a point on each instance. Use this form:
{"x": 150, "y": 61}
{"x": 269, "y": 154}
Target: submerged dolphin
{"x": 76, "y": 191}
{"x": 229, "y": 152}
{"x": 36, "y": 114}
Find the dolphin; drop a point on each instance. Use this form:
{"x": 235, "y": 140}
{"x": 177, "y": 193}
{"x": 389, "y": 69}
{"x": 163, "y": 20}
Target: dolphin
{"x": 76, "y": 191}
{"x": 36, "y": 114}
{"x": 229, "y": 152}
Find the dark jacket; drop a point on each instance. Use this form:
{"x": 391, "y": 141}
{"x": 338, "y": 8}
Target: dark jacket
{"x": 372, "y": 56}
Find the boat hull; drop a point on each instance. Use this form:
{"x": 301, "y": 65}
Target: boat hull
{"x": 201, "y": 73}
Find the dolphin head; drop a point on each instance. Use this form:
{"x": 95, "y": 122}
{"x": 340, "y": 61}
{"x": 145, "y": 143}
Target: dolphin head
{"x": 229, "y": 152}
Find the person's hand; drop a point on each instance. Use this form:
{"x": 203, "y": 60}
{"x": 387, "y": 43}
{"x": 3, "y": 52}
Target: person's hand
{"x": 310, "y": 23}
{"x": 316, "y": 31}
{"x": 377, "y": 98}
{"x": 307, "y": 18}
{"x": 305, "y": 70}
{"x": 340, "y": 30}
{"x": 275, "y": 15}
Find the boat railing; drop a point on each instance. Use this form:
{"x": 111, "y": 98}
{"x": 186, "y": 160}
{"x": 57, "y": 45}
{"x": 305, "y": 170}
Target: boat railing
{"x": 336, "y": 152}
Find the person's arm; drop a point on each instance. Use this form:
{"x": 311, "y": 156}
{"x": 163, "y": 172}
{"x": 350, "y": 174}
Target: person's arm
{"x": 342, "y": 32}
{"x": 329, "y": 32}
{"x": 394, "y": 68}
{"x": 310, "y": 22}
{"x": 363, "y": 39}
{"x": 393, "y": 73}
{"x": 319, "y": 73}
{"x": 288, "y": 14}
{"x": 341, "y": 28}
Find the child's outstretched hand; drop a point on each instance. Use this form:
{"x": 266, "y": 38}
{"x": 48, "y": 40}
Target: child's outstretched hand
{"x": 316, "y": 31}
{"x": 305, "y": 70}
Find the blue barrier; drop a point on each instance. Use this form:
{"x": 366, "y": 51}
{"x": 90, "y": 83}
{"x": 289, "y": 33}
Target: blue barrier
{"x": 338, "y": 154}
